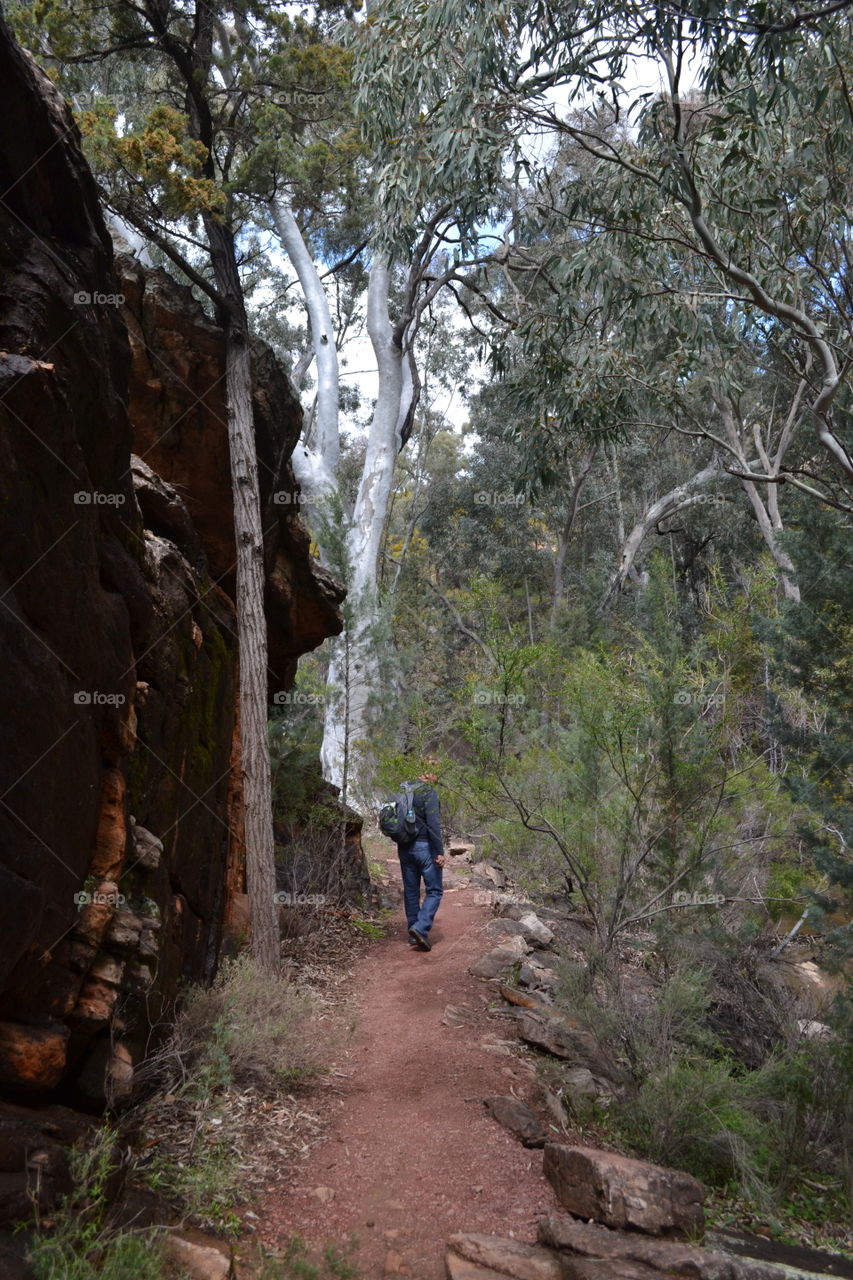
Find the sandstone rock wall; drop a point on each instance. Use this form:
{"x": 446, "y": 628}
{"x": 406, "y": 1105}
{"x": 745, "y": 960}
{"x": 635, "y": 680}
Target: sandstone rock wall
{"x": 120, "y": 803}
{"x": 177, "y": 391}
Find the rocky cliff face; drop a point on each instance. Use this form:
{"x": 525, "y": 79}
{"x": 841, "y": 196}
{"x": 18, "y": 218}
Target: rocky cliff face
{"x": 119, "y": 766}
{"x": 179, "y": 414}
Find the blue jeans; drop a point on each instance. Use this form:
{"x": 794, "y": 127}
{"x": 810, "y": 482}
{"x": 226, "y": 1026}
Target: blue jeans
{"x": 416, "y": 863}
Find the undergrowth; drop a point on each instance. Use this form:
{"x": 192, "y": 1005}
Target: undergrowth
{"x": 756, "y": 1133}
{"x": 78, "y": 1241}
{"x": 250, "y": 1032}
{"x": 249, "y": 1029}
{"x": 297, "y": 1264}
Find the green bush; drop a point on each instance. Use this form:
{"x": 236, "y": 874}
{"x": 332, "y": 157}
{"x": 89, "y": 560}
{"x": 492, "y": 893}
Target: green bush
{"x": 249, "y": 1029}
{"x": 755, "y": 1128}
{"x": 693, "y": 1115}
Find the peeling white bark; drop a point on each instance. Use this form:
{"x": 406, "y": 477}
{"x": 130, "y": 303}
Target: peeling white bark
{"x": 766, "y": 511}
{"x": 769, "y": 528}
{"x": 323, "y": 337}
{"x": 352, "y": 677}
{"x": 353, "y": 671}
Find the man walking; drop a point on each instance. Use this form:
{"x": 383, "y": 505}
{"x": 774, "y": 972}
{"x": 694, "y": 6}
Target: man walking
{"x": 423, "y": 860}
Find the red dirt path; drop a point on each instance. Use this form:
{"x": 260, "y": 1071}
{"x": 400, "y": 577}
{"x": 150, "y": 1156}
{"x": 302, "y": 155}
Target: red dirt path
{"x": 413, "y": 1155}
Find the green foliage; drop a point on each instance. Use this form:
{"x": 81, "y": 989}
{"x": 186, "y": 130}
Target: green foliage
{"x": 250, "y": 1030}
{"x": 690, "y": 1101}
{"x": 206, "y": 126}
{"x": 815, "y": 639}
{"x": 619, "y": 771}
{"x": 208, "y": 1187}
{"x": 682, "y": 240}
{"x": 669, "y": 291}
{"x": 694, "y": 1117}
{"x": 814, "y": 642}
{"x": 159, "y": 155}
{"x": 370, "y": 930}
{"x": 297, "y": 1264}
{"x": 79, "y": 1242}
{"x": 124, "y": 1256}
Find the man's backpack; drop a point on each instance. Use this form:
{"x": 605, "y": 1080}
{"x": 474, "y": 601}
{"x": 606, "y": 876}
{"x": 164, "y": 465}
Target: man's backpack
{"x": 397, "y": 817}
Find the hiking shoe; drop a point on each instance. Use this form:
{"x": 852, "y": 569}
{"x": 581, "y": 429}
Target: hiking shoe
{"x": 420, "y": 940}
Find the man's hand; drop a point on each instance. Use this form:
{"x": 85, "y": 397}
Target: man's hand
{"x": 439, "y": 862}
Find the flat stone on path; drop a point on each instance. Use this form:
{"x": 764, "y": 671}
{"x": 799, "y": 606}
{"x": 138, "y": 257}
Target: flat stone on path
{"x": 458, "y": 1016}
{"x": 471, "y": 1256}
{"x": 516, "y": 1116}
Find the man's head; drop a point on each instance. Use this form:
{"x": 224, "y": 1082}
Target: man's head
{"x": 430, "y": 770}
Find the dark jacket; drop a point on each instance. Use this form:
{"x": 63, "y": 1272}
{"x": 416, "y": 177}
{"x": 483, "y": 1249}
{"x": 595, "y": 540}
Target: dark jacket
{"x": 425, "y": 805}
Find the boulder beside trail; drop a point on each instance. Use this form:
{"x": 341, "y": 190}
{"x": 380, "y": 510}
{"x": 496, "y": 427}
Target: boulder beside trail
{"x": 488, "y": 875}
{"x": 606, "y": 1252}
{"x": 557, "y": 1036}
{"x": 535, "y": 931}
{"x": 500, "y": 959}
{"x": 624, "y": 1193}
{"x": 573, "y": 1250}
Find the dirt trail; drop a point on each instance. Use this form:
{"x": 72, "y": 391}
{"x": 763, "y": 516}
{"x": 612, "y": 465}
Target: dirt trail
{"x": 413, "y": 1156}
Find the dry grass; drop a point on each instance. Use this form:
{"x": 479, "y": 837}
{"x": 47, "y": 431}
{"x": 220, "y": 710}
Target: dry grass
{"x": 243, "y": 1088}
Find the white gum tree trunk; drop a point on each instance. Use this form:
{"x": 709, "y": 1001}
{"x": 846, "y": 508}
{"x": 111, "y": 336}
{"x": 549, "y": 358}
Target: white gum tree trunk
{"x": 315, "y": 462}
{"x": 353, "y": 672}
